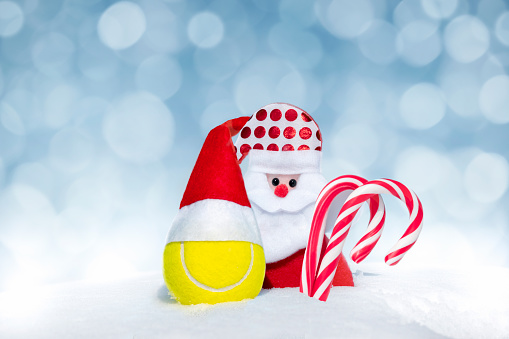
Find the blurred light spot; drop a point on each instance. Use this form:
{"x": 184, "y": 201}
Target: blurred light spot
{"x": 408, "y": 11}
{"x": 439, "y": 9}
{"x": 205, "y": 30}
{"x": 12, "y": 146}
{"x": 11, "y": 120}
{"x": 461, "y": 90}
{"x": 466, "y": 39}
{"x": 345, "y": 19}
{"x": 1, "y": 81}
{"x": 451, "y": 195}
{"x": 96, "y": 61}
{"x": 218, "y": 63}
{"x": 419, "y": 167}
{"x": 494, "y": 99}
{"x": 70, "y": 150}
{"x": 109, "y": 267}
{"x": 290, "y": 86}
{"x": 419, "y": 43}
{"x": 121, "y": 25}
{"x": 489, "y": 10}
{"x": 215, "y": 114}
{"x": 297, "y": 12}
{"x": 163, "y": 29}
{"x": 52, "y": 54}
{"x": 254, "y": 91}
{"x": 58, "y": 105}
{"x": 491, "y": 67}
{"x": 139, "y": 128}
{"x": 11, "y": 18}
{"x": 358, "y": 145}
{"x": 486, "y": 177}
{"x": 299, "y": 47}
{"x": 378, "y": 42}
{"x": 422, "y": 106}
{"x": 502, "y": 28}
{"x": 159, "y": 75}
{"x": 267, "y": 80}
{"x": 2, "y": 176}
{"x": 24, "y": 103}
{"x": 36, "y": 175}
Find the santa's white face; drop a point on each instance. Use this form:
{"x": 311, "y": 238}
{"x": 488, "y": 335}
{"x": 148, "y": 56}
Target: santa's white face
{"x": 282, "y": 184}
{"x": 283, "y": 207}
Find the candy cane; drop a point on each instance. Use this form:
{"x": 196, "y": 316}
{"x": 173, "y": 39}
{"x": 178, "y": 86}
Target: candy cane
{"x": 323, "y": 281}
{"x": 323, "y": 202}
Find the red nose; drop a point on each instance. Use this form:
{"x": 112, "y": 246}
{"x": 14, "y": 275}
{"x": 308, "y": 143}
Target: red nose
{"x": 281, "y": 191}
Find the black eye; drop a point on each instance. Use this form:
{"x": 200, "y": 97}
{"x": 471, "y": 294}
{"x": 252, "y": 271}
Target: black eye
{"x": 293, "y": 183}
{"x": 275, "y": 181}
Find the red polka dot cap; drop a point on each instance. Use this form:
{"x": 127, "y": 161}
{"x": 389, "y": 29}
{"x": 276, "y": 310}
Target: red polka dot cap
{"x": 281, "y": 139}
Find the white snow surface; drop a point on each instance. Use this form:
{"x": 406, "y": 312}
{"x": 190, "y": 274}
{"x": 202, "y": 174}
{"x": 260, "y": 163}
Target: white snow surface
{"x": 386, "y": 303}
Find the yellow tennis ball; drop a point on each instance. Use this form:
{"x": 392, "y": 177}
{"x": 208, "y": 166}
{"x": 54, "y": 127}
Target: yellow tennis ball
{"x": 211, "y": 272}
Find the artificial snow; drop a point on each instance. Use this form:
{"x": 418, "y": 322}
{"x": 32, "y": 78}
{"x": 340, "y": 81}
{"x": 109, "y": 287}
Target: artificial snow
{"x": 386, "y": 302}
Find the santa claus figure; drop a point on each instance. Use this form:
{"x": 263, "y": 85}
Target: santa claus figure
{"x": 283, "y": 145}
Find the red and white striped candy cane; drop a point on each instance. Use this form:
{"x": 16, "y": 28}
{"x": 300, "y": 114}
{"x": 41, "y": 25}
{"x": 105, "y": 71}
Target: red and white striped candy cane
{"x": 323, "y": 202}
{"x": 323, "y": 281}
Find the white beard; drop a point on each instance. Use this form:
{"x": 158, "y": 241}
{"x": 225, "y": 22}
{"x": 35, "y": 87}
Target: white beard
{"x": 284, "y": 223}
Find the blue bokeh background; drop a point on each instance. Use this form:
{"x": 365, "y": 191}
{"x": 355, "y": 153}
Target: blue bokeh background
{"x": 104, "y": 106}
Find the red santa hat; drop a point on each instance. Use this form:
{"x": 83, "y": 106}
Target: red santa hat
{"x": 215, "y": 206}
{"x": 281, "y": 139}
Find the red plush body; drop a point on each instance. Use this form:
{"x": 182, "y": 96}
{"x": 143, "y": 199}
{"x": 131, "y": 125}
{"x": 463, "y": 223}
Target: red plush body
{"x": 287, "y": 272}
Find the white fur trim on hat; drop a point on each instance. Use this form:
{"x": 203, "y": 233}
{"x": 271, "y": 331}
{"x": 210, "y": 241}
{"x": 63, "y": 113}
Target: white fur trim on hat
{"x": 285, "y": 162}
{"x": 214, "y": 220}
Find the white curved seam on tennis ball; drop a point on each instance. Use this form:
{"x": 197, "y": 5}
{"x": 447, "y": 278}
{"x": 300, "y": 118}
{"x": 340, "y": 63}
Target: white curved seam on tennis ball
{"x": 208, "y": 288}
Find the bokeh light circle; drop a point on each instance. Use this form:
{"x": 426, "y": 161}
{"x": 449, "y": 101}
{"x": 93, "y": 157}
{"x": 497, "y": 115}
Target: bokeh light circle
{"x": 461, "y": 89}
{"x": 139, "y": 128}
{"x": 422, "y": 106}
{"x": 419, "y": 43}
{"x": 466, "y": 39}
{"x": 300, "y": 47}
{"x": 297, "y": 12}
{"x": 439, "y": 9}
{"x": 11, "y": 120}
{"x": 52, "y": 53}
{"x": 159, "y": 75}
{"x": 70, "y": 150}
{"x": 419, "y": 167}
{"x": 408, "y": 11}
{"x": 58, "y": 105}
{"x": 494, "y": 99}
{"x": 270, "y": 80}
{"x": 378, "y": 42}
{"x": 121, "y": 25}
{"x": 205, "y": 30}
{"x": 347, "y": 19}
{"x": 358, "y": 145}
{"x": 486, "y": 177}
{"x": 218, "y": 63}
{"x": 502, "y": 28}
{"x": 163, "y": 33}
{"x": 11, "y": 18}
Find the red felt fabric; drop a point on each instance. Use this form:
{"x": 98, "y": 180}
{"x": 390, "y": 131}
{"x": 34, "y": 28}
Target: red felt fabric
{"x": 216, "y": 173}
{"x": 287, "y": 272}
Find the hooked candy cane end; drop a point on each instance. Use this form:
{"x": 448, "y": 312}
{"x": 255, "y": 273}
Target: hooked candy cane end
{"x": 357, "y": 258}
